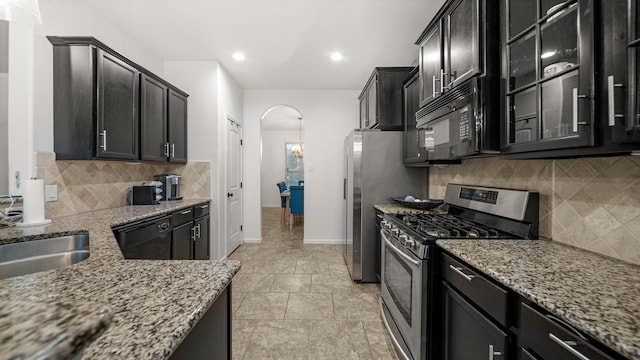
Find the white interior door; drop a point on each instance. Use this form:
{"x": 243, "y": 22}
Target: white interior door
{"x": 234, "y": 186}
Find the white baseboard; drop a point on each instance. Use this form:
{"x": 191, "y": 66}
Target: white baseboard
{"x": 323, "y": 241}
{"x": 252, "y": 240}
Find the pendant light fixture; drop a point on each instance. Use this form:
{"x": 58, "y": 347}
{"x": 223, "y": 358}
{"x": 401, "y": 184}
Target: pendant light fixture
{"x": 297, "y": 149}
{"x": 24, "y": 11}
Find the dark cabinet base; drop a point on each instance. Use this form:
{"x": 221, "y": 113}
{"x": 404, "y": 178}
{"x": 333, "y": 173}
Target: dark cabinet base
{"x": 211, "y": 336}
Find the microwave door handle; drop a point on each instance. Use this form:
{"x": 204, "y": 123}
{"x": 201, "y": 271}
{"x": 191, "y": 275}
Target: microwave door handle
{"x": 433, "y": 86}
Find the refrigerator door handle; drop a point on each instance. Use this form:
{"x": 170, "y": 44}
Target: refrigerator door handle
{"x": 344, "y": 188}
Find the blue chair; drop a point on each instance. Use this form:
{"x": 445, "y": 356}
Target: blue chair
{"x": 296, "y": 203}
{"x": 282, "y": 187}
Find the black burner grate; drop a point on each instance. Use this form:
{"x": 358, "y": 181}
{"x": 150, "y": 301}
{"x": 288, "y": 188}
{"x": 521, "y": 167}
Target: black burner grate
{"x": 447, "y": 226}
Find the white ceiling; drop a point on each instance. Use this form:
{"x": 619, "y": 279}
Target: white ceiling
{"x": 287, "y": 43}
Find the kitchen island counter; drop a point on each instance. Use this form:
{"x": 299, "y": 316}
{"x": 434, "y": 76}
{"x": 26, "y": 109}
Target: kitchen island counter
{"x": 594, "y": 293}
{"x": 151, "y": 305}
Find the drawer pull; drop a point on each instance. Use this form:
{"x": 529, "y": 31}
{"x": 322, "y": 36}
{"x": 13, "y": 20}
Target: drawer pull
{"x": 186, "y": 212}
{"x": 493, "y": 353}
{"x": 568, "y": 345}
{"x": 459, "y": 271}
{"x": 203, "y": 206}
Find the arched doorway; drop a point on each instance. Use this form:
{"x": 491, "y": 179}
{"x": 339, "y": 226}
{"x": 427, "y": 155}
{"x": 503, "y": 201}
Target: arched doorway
{"x": 282, "y": 160}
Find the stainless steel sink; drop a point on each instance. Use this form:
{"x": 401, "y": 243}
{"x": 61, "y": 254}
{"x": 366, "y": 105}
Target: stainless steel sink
{"x": 40, "y": 255}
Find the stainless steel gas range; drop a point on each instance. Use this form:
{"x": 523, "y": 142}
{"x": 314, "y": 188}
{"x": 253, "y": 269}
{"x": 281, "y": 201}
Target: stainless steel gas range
{"x": 409, "y": 278}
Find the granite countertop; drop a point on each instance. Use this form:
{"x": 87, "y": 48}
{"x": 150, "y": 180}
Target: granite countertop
{"x": 399, "y": 209}
{"x": 146, "y": 306}
{"x": 594, "y": 293}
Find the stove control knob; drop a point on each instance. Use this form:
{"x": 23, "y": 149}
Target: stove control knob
{"x": 410, "y": 243}
{"x": 395, "y": 232}
{"x": 403, "y": 239}
{"x": 387, "y": 225}
{"x": 383, "y": 223}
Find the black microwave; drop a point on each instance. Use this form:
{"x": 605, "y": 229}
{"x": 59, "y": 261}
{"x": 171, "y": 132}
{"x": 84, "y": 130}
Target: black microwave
{"x": 464, "y": 122}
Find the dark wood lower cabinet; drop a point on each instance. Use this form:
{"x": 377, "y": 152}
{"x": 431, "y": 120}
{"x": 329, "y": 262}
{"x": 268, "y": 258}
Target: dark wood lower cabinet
{"x": 201, "y": 241}
{"x": 467, "y": 333}
{"x": 211, "y": 336}
{"x": 181, "y": 242}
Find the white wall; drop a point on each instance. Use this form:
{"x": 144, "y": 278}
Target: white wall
{"x": 4, "y": 105}
{"x": 329, "y": 116}
{"x": 230, "y": 104}
{"x": 213, "y": 95}
{"x": 273, "y": 163}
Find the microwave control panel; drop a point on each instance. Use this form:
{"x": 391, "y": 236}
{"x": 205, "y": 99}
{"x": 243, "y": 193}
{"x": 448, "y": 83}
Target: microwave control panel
{"x": 465, "y": 128}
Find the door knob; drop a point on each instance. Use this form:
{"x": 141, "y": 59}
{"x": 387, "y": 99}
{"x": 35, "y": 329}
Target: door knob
{"x": 229, "y": 194}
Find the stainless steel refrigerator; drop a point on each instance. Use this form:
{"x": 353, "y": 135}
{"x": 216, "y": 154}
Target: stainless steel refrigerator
{"x": 374, "y": 172}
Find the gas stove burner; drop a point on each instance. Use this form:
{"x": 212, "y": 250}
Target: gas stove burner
{"x": 449, "y": 226}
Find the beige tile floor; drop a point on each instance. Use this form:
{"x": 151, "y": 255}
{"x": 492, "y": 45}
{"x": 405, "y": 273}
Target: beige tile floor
{"x": 296, "y": 301}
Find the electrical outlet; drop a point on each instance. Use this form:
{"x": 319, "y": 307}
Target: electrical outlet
{"x": 51, "y": 193}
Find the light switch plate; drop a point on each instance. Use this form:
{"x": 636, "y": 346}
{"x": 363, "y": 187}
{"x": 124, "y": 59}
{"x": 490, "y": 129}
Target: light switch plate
{"x": 51, "y": 193}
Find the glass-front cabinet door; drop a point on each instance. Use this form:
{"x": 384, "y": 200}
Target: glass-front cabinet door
{"x": 548, "y": 58}
{"x": 621, "y": 81}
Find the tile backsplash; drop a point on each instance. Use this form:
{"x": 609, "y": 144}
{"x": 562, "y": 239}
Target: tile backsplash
{"x": 591, "y": 203}
{"x": 94, "y": 185}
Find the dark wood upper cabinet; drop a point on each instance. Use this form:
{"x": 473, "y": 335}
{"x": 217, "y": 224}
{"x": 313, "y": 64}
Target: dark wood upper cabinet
{"x": 458, "y": 44}
{"x": 153, "y": 119}
{"x": 117, "y": 101}
{"x": 381, "y": 99}
{"x": 620, "y": 80}
{"x": 177, "y": 127}
{"x": 411, "y": 98}
{"x": 108, "y": 107}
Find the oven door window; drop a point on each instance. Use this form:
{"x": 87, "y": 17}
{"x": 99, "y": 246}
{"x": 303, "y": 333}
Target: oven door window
{"x": 398, "y": 278}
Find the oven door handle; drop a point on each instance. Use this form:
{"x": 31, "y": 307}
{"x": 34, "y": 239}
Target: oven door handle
{"x": 405, "y": 256}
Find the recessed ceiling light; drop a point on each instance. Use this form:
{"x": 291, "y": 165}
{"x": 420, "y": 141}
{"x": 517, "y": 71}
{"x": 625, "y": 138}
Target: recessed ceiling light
{"x": 238, "y": 56}
{"x": 336, "y": 56}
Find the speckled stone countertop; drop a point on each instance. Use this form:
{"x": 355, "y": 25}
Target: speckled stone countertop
{"x": 596, "y": 294}
{"x": 153, "y": 304}
{"x": 398, "y": 209}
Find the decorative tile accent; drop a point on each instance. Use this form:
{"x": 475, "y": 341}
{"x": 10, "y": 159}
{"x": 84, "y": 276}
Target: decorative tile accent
{"x": 94, "y": 185}
{"x": 591, "y": 203}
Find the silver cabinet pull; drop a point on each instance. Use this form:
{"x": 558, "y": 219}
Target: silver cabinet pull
{"x": 433, "y": 86}
{"x": 198, "y": 231}
{"x": 166, "y": 150}
{"x": 193, "y": 233}
{"x": 459, "y": 271}
{"x": 173, "y": 150}
{"x": 203, "y": 206}
{"x": 186, "y": 212}
{"x": 103, "y": 134}
{"x": 568, "y": 345}
{"x": 442, "y": 87}
{"x": 493, "y": 353}
{"x": 575, "y": 109}
{"x": 611, "y": 97}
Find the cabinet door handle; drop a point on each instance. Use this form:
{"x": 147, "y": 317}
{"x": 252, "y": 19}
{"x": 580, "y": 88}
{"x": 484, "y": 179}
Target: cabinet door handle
{"x": 568, "y": 345}
{"x": 442, "y": 87}
{"x": 433, "y": 86}
{"x": 166, "y": 150}
{"x": 575, "y": 109}
{"x": 103, "y": 134}
{"x": 493, "y": 353}
{"x": 193, "y": 233}
{"x": 198, "y": 231}
{"x": 611, "y": 97}
{"x": 173, "y": 150}
{"x": 459, "y": 271}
